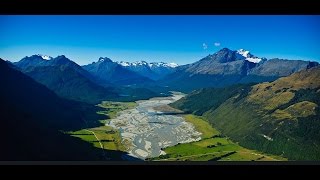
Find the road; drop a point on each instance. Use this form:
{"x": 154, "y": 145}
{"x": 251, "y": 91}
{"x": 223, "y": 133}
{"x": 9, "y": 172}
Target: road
{"x": 101, "y": 145}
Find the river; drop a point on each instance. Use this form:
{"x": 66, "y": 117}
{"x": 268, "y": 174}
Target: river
{"x": 148, "y": 130}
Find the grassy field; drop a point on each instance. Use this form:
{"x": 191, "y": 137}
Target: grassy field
{"x": 202, "y": 126}
{"x": 212, "y": 147}
{"x": 106, "y": 136}
{"x": 112, "y": 108}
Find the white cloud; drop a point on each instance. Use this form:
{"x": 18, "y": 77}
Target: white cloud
{"x": 205, "y": 46}
{"x": 216, "y": 44}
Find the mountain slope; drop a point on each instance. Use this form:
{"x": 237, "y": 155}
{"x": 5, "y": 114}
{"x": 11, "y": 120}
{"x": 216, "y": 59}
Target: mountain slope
{"x": 280, "y": 117}
{"x": 227, "y": 67}
{"x": 65, "y": 78}
{"x": 105, "y": 70}
{"x": 33, "y": 117}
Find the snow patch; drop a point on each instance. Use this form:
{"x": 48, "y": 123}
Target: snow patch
{"x": 254, "y": 60}
{"x": 45, "y": 57}
{"x": 243, "y": 52}
{"x": 173, "y": 65}
{"x": 122, "y": 63}
{"x": 249, "y": 57}
{"x": 152, "y": 64}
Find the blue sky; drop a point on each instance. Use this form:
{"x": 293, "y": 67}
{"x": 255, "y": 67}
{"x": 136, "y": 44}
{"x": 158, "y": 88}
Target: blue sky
{"x": 180, "y": 39}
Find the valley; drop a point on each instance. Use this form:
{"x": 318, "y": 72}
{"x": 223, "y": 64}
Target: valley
{"x": 151, "y": 130}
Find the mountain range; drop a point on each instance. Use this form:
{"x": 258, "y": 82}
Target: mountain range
{"x": 153, "y": 70}
{"x": 109, "y": 80}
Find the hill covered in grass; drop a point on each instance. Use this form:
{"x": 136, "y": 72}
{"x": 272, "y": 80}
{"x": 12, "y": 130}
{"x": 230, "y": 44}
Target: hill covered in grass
{"x": 280, "y": 117}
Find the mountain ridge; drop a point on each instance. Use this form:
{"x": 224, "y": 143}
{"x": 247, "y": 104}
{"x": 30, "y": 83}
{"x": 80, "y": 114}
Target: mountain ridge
{"x": 152, "y": 70}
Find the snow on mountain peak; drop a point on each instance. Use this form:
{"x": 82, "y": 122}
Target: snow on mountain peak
{"x": 248, "y": 56}
{"x": 122, "y": 63}
{"x": 243, "y": 52}
{"x": 144, "y": 63}
{"x": 139, "y": 63}
{"x": 159, "y": 64}
{"x": 102, "y": 59}
{"x": 45, "y": 57}
{"x": 173, "y": 65}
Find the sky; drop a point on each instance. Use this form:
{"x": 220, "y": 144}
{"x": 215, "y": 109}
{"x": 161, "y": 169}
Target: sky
{"x": 181, "y": 39}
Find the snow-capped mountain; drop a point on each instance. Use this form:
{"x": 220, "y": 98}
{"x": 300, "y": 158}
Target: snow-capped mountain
{"x": 248, "y": 56}
{"x": 227, "y": 67}
{"x": 106, "y": 70}
{"x": 153, "y": 70}
{"x": 159, "y": 64}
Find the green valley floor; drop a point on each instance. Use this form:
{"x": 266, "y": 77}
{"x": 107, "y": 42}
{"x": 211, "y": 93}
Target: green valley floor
{"x": 213, "y": 146}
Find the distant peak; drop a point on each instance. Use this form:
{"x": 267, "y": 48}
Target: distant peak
{"x": 61, "y": 56}
{"x": 151, "y": 64}
{"x": 225, "y": 49}
{"x": 139, "y": 63}
{"x": 163, "y": 64}
{"x": 104, "y": 59}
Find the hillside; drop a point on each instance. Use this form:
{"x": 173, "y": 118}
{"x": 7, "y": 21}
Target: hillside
{"x": 34, "y": 119}
{"x": 281, "y": 117}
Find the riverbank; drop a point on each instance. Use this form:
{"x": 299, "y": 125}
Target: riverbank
{"x": 150, "y": 129}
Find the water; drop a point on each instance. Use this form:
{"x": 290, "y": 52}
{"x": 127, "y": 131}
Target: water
{"x": 149, "y": 130}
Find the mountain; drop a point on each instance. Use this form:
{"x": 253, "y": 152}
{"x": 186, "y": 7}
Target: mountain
{"x": 128, "y": 84}
{"x": 280, "y": 117}
{"x": 29, "y": 63}
{"x": 34, "y": 119}
{"x": 105, "y": 70}
{"x": 153, "y": 70}
{"x": 65, "y": 77}
{"x": 227, "y": 67}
